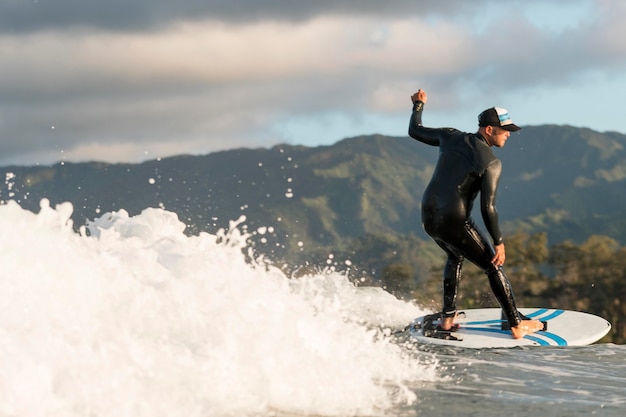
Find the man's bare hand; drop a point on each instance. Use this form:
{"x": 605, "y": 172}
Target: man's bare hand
{"x": 419, "y": 96}
{"x": 500, "y": 257}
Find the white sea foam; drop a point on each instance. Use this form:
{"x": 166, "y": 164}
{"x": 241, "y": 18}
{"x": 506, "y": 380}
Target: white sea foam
{"x": 131, "y": 317}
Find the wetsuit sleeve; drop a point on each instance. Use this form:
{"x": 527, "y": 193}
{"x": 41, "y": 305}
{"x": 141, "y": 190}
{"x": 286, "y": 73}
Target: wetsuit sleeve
{"x": 425, "y": 135}
{"x": 488, "y": 200}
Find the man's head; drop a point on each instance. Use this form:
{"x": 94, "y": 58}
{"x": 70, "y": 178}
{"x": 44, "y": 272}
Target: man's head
{"x": 496, "y": 126}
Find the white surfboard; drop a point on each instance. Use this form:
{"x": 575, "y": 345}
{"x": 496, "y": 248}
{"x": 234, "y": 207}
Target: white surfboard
{"x": 483, "y": 328}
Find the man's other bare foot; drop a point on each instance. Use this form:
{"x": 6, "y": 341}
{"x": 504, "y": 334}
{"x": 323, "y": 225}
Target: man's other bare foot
{"x": 526, "y": 327}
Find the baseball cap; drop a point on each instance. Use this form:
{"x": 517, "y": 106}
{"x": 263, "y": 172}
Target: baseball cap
{"x": 497, "y": 116}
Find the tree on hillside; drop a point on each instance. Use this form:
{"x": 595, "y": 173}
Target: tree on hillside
{"x": 590, "y": 278}
{"x": 527, "y": 256}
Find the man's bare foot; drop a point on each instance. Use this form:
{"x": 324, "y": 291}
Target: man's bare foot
{"x": 447, "y": 322}
{"x": 526, "y": 327}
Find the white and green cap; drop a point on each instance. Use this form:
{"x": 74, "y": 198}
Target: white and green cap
{"x": 497, "y": 116}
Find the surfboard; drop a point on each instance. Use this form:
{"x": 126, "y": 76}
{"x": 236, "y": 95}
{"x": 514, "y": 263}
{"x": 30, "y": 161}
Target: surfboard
{"x": 486, "y": 328}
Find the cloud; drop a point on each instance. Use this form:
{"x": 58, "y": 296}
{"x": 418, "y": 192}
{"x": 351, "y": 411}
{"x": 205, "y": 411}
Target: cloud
{"x": 130, "y": 80}
{"x": 151, "y": 15}
{"x": 203, "y": 78}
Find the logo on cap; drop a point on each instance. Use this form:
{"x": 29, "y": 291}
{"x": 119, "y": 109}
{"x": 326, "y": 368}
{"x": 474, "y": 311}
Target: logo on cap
{"x": 503, "y": 116}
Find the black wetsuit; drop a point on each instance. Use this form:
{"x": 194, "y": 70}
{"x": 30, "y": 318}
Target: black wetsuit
{"x": 465, "y": 168}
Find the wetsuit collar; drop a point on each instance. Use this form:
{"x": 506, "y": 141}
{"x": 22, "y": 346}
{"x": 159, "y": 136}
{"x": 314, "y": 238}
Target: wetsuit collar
{"x": 483, "y": 138}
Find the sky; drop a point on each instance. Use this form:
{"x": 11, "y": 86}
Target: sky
{"x": 129, "y": 81}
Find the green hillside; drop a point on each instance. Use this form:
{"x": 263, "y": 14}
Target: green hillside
{"x": 565, "y": 181}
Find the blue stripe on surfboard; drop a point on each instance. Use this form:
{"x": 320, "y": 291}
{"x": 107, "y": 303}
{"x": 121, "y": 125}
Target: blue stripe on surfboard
{"x": 537, "y": 313}
{"x": 532, "y": 315}
{"x": 483, "y": 322}
{"x": 557, "y": 339}
{"x": 485, "y": 329}
{"x": 555, "y": 313}
{"x": 539, "y": 341}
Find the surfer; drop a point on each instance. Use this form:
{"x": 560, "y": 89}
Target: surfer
{"x": 465, "y": 168}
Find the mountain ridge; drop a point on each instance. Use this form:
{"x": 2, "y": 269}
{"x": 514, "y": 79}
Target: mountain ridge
{"x": 566, "y": 181}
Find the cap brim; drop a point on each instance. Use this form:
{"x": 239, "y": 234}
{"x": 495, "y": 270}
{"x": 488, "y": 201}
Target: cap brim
{"x": 511, "y": 127}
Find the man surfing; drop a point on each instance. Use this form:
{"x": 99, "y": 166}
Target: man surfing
{"x": 465, "y": 168}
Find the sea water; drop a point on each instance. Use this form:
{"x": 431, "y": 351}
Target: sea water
{"x": 131, "y": 317}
